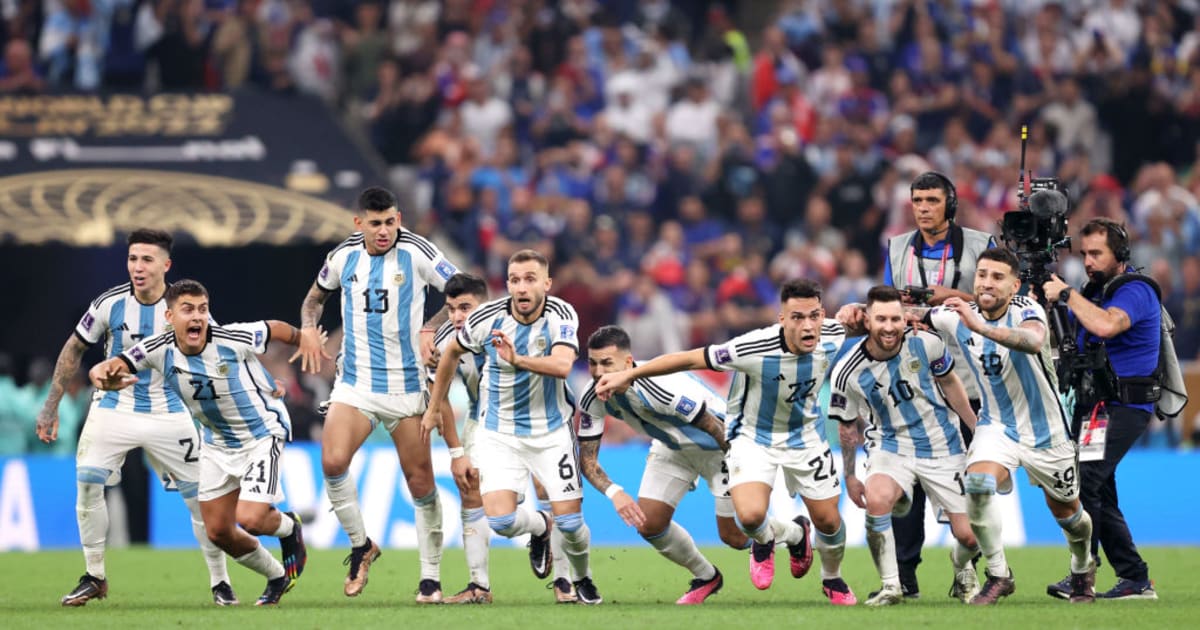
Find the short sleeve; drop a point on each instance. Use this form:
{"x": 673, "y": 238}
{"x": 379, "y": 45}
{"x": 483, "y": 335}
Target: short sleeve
{"x": 330, "y": 276}
{"x": 941, "y": 362}
{"x": 1031, "y": 310}
{"x": 256, "y": 335}
{"x": 148, "y": 353}
{"x": 667, "y": 397}
{"x": 944, "y": 320}
{"x": 432, "y": 265}
{"x": 93, "y": 324}
{"x": 564, "y": 324}
{"x": 843, "y": 397}
{"x": 1138, "y": 301}
{"x": 740, "y": 352}
{"x": 473, "y": 335}
{"x": 591, "y": 416}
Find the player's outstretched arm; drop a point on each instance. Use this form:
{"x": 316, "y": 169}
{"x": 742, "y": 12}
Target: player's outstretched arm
{"x": 432, "y": 419}
{"x": 589, "y": 463}
{"x": 312, "y": 348}
{"x": 713, "y": 426}
{"x": 850, "y": 436}
{"x": 112, "y": 374}
{"x": 956, "y": 396}
{"x": 618, "y": 382}
{"x": 64, "y": 370}
{"x": 557, "y": 364}
{"x": 1027, "y": 337}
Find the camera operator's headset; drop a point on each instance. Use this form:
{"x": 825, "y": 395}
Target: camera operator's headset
{"x": 955, "y": 243}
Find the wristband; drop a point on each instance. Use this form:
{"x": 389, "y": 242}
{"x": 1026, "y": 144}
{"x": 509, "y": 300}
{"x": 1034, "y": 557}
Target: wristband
{"x": 612, "y": 490}
{"x": 457, "y": 452}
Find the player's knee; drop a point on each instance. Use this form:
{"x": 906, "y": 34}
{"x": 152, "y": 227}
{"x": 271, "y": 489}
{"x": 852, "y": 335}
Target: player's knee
{"x": 751, "y": 520}
{"x": 420, "y": 484}
{"x": 89, "y": 494}
{"x": 828, "y": 521}
{"x": 569, "y": 524}
{"x": 504, "y": 524}
{"x": 254, "y": 521}
{"x": 979, "y": 484}
{"x": 335, "y": 464}
{"x": 654, "y": 527}
{"x": 221, "y": 534}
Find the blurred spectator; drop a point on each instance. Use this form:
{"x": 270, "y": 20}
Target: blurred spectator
{"x": 365, "y": 47}
{"x": 746, "y": 297}
{"x": 693, "y": 119}
{"x": 851, "y": 284}
{"x": 400, "y": 112}
{"x": 73, "y": 42}
{"x": 654, "y": 325}
{"x": 1073, "y": 118}
{"x": 1184, "y": 306}
{"x": 484, "y": 115}
{"x": 18, "y": 75}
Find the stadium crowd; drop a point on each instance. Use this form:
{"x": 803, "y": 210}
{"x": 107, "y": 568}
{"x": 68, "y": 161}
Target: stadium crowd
{"x": 676, "y": 166}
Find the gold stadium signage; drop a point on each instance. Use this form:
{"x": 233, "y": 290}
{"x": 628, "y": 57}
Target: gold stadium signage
{"x": 115, "y": 116}
{"x": 92, "y": 207}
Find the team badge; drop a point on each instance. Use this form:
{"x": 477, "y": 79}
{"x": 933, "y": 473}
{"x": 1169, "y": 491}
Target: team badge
{"x": 914, "y": 366}
{"x": 540, "y": 344}
{"x": 398, "y": 279}
{"x": 685, "y": 405}
{"x": 223, "y": 369}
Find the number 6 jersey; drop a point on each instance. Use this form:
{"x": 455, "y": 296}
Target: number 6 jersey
{"x": 224, "y": 387}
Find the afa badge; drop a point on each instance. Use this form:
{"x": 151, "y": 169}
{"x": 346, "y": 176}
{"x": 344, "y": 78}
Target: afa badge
{"x": 540, "y": 344}
{"x": 914, "y": 366}
{"x": 223, "y": 369}
{"x": 398, "y": 279}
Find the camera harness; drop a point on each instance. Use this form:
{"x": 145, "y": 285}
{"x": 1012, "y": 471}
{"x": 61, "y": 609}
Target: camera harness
{"x": 954, "y": 240}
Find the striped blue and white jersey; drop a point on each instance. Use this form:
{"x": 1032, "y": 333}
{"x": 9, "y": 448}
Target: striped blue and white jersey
{"x": 1019, "y": 390}
{"x": 469, "y": 368}
{"x": 773, "y": 396}
{"x": 661, "y": 407}
{"x": 117, "y": 317}
{"x": 519, "y": 402}
{"x": 898, "y": 397}
{"x": 224, "y": 386}
{"x": 383, "y": 308}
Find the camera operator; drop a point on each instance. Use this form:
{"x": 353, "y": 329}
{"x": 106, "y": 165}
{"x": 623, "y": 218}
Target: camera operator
{"x": 1121, "y": 310}
{"x": 931, "y": 263}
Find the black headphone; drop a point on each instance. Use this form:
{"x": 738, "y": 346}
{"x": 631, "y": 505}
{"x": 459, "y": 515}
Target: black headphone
{"x": 1120, "y": 249}
{"x": 951, "y": 193}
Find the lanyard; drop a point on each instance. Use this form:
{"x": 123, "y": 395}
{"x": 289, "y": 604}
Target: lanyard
{"x": 912, "y": 262}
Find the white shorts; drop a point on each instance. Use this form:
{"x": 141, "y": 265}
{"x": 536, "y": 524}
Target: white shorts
{"x": 941, "y": 477}
{"x": 170, "y": 441}
{"x": 671, "y": 474}
{"x": 385, "y": 409}
{"x": 1054, "y": 469}
{"x": 252, "y": 468}
{"x": 810, "y": 472}
{"x": 506, "y": 461}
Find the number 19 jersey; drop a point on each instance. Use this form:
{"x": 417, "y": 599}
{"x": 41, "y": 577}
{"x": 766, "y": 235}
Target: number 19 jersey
{"x": 1019, "y": 390}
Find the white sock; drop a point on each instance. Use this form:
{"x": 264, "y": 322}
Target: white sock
{"x": 218, "y": 571}
{"x": 91, "y": 513}
{"x": 476, "y": 536}
{"x": 961, "y": 555}
{"x": 788, "y": 532}
{"x": 831, "y": 547}
{"x": 986, "y": 523}
{"x": 1078, "y": 530}
{"x": 882, "y": 541}
{"x": 343, "y": 495}
{"x": 577, "y": 539}
{"x": 676, "y": 545}
{"x": 262, "y": 562}
{"x": 286, "y": 526}
{"x": 429, "y": 534}
{"x": 764, "y": 535}
{"x": 558, "y": 556}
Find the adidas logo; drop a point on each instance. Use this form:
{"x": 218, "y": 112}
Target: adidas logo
{"x": 257, "y": 490}
{"x": 123, "y": 327}
{"x": 970, "y": 341}
{"x": 569, "y": 488}
{"x": 779, "y": 377}
{"x": 354, "y": 278}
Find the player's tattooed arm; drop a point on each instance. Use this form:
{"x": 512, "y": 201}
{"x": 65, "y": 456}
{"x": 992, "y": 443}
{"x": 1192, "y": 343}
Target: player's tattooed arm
{"x": 439, "y": 318}
{"x": 313, "y": 306}
{"x": 713, "y": 426}
{"x": 64, "y": 370}
{"x": 589, "y": 463}
{"x": 1027, "y": 338}
{"x": 850, "y": 438}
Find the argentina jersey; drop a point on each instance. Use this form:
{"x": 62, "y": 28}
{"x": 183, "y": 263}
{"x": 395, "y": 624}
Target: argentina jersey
{"x": 520, "y": 402}
{"x": 117, "y": 317}
{"x": 383, "y": 308}
{"x": 1019, "y": 390}
{"x": 773, "y": 396}
{"x": 661, "y": 407}
{"x": 468, "y": 370}
{"x": 898, "y": 396}
{"x": 224, "y": 387}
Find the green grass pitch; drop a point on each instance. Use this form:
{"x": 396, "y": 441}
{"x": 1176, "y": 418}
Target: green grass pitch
{"x": 160, "y": 589}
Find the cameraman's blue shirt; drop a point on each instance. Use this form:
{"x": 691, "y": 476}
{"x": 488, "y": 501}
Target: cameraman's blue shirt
{"x": 1135, "y": 351}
